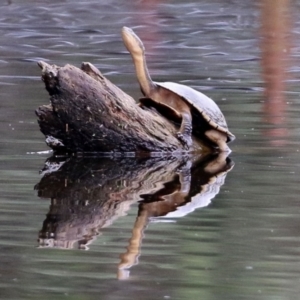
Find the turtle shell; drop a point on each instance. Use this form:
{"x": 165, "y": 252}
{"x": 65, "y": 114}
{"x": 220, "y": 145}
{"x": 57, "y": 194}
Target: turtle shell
{"x": 202, "y": 104}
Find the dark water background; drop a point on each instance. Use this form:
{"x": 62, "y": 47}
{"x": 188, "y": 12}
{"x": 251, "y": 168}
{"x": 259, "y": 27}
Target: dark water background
{"x": 243, "y": 54}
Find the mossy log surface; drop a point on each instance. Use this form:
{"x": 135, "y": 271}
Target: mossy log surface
{"x": 87, "y": 113}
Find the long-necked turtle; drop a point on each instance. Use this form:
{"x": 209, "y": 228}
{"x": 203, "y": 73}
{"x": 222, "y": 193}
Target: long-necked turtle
{"x": 198, "y": 113}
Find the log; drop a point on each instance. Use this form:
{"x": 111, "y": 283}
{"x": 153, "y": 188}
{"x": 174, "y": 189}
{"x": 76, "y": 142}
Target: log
{"x": 87, "y": 113}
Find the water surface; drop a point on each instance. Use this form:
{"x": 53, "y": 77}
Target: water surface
{"x": 245, "y": 242}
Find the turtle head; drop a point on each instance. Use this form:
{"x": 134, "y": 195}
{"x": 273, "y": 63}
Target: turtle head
{"x": 132, "y": 42}
{"x": 137, "y": 50}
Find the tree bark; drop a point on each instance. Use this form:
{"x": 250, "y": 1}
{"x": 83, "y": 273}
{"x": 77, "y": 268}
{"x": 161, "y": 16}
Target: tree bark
{"x": 87, "y": 113}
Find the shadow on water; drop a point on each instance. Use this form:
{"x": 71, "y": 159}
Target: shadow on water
{"x": 90, "y": 194}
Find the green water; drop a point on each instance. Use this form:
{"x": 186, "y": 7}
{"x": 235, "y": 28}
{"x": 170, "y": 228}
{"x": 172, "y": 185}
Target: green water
{"x": 244, "y": 244}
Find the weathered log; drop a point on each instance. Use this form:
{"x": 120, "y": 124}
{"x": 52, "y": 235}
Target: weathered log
{"x": 87, "y": 113}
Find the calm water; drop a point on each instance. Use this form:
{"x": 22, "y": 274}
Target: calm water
{"x": 237, "y": 238}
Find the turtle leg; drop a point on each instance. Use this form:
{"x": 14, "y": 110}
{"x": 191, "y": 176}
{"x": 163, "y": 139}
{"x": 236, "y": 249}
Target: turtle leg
{"x": 185, "y": 131}
{"x": 185, "y": 176}
{"x": 219, "y": 138}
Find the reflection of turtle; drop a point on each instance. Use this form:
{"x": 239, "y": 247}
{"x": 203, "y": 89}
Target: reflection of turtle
{"x": 197, "y": 184}
{"x": 200, "y": 179}
{"x": 193, "y": 108}
{"x": 205, "y": 182}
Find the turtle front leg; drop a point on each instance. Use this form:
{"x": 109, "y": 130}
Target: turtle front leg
{"x": 185, "y": 131}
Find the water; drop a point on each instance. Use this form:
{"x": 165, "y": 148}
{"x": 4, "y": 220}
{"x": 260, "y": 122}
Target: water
{"x": 241, "y": 242}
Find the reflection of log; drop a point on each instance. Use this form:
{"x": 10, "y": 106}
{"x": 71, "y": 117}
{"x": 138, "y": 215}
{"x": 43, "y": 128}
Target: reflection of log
{"x": 89, "y": 114}
{"x": 89, "y": 194}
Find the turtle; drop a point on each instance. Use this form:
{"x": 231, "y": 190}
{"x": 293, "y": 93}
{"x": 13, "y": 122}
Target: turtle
{"x": 197, "y": 113}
